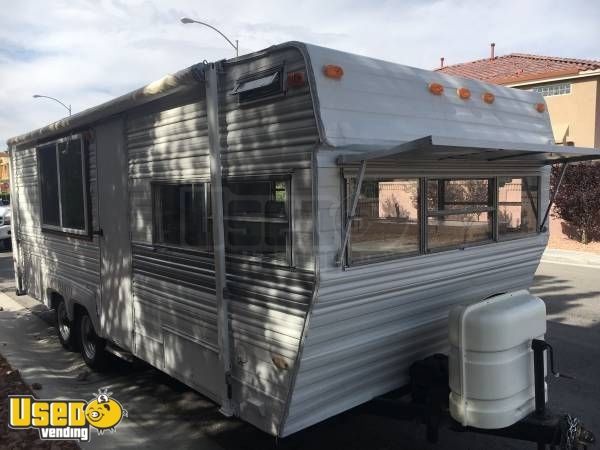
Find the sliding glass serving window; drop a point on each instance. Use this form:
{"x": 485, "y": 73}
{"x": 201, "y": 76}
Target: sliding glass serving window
{"x": 257, "y": 218}
{"x": 518, "y": 205}
{"x": 63, "y": 186}
{"x": 182, "y": 215}
{"x": 459, "y": 212}
{"x": 386, "y": 222}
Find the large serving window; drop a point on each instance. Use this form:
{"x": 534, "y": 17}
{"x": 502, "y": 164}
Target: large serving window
{"x": 448, "y": 212}
{"x": 411, "y": 216}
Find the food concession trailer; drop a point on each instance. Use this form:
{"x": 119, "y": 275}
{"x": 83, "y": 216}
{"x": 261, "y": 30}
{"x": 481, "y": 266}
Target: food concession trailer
{"x": 287, "y": 231}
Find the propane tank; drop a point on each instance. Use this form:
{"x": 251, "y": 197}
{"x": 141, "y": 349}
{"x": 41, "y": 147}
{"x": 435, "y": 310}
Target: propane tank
{"x": 491, "y": 361}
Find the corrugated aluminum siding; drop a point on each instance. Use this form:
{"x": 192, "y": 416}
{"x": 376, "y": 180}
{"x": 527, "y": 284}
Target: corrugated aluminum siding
{"x": 268, "y": 304}
{"x": 68, "y": 265}
{"x": 174, "y": 288}
{"x": 371, "y": 322}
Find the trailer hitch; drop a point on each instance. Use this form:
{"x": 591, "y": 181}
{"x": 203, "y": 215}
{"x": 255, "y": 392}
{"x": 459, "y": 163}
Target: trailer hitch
{"x": 428, "y": 405}
{"x": 574, "y": 435}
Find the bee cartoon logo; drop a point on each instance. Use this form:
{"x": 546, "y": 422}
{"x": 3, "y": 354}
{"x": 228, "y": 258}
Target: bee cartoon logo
{"x": 66, "y": 419}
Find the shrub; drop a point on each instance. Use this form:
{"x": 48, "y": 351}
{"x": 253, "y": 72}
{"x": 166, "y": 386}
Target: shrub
{"x": 578, "y": 199}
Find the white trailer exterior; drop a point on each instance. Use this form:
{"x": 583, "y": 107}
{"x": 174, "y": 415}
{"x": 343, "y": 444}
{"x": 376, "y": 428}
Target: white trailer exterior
{"x": 299, "y": 332}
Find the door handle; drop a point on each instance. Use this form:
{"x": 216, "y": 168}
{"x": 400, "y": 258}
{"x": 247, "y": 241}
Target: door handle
{"x": 98, "y": 232}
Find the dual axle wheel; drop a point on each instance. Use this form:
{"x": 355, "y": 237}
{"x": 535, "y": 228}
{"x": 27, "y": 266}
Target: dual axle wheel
{"x": 79, "y": 334}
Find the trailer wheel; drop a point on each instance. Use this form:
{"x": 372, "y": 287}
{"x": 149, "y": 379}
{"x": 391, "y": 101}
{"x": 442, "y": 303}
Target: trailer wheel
{"x": 92, "y": 345}
{"x": 64, "y": 326}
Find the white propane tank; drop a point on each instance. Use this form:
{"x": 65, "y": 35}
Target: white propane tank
{"x": 491, "y": 361}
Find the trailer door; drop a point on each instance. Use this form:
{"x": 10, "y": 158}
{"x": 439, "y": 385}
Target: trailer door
{"x": 116, "y": 311}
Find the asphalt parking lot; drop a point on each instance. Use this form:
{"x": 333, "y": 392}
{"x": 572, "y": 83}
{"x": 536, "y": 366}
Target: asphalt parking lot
{"x": 164, "y": 413}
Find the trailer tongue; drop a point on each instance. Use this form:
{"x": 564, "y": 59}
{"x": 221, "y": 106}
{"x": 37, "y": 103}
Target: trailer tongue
{"x": 494, "y": 379}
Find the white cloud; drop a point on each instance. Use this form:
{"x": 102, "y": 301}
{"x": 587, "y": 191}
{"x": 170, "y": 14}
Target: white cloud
{"x": 85, "y": 51}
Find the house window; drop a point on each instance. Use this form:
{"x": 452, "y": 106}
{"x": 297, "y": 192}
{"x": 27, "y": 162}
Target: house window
{"x": 386, "y": 219}
{"x": 257, "y": 218}
{"x": 517, "y": 206}
{"x": 548, "y": 90}
{"x": 459, "y": 212}
{"x": 63, "y": 186}
{"x": 181, "y": 215}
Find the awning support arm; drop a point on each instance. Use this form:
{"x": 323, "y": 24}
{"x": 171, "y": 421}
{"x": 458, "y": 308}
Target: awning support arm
{"x": 531, "y": 201}
{"x": 352, "y": 212}
{"x": 560, "y": 178}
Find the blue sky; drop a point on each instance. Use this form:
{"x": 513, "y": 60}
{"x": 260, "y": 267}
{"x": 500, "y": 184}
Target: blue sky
{"x": 89, "y": 51}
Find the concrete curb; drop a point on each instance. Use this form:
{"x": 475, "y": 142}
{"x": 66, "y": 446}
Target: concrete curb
{"x": 552, "y": 255}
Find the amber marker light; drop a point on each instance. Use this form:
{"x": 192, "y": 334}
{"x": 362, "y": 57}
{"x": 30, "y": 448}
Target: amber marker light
{"x": 333, "y": 71}
{"x": 464, "y": 93}
{"x": 488, "y": 98}
{"x": 436, "y": 88}
{"x": 540, "y": 107}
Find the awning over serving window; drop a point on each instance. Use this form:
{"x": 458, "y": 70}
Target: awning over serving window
{"x": 438, "y": 148}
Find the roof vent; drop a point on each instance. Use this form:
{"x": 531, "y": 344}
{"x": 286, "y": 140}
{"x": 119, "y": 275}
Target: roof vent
{"x": 492, "y": 45}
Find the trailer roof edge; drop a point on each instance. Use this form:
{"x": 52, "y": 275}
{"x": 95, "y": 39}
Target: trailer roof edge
{"x": 166, "y": 85}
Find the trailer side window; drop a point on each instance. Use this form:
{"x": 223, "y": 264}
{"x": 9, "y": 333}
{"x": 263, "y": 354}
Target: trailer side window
{"x": 386, "y": 219}
{"x": 63, "y": 186}
{"x": 257, "y": 218}
{"x": 181, "y": 215}
{"x": 459, "y": 212}
{"x": 517, "y": 206}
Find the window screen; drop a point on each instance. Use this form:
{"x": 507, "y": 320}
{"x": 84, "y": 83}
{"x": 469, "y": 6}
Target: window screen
{"x": 63, "y": 186}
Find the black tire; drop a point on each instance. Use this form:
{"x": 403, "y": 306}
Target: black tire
{"x": 91, "y": 345}
{"x": 65, "y": 328}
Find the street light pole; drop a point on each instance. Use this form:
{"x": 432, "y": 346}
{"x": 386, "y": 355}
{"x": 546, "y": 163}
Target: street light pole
{"x": 186, "y": 20}
{"x": 56, "y": 100}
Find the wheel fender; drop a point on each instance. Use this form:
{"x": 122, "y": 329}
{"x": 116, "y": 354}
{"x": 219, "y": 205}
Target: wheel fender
{"x": 75, "y": 293}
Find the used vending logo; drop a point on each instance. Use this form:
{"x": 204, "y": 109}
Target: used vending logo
{"x": 66, "y": 419}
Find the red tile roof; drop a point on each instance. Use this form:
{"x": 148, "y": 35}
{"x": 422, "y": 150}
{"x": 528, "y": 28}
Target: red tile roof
{"x": 518, "y": 67}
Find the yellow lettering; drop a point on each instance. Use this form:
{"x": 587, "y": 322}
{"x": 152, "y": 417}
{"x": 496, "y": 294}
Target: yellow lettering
{"x": 20, "y": 412}
{"x": 76, "y": 415}
{"x": 40, "y": 413}
{"x": 58, "y": 414}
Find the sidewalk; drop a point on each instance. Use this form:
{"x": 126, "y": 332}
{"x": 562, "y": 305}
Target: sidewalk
{"x": 162, "y": 412}
{"x": 552, "y": 255}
